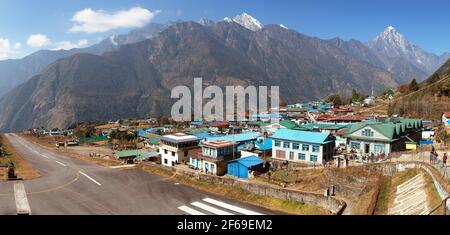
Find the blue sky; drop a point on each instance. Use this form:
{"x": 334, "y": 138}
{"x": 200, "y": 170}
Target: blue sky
{"x": 425, "y": 23}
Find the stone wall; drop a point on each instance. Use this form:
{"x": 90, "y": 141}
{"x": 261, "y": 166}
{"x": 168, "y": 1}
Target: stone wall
{"x": 334, "y": 205}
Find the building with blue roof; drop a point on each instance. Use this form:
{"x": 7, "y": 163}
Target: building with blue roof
{"x": 241, "y": 167}
{"x": 242, "y": 139}
{"x": 206, "y": 135}
{"x": 302, "y": 146}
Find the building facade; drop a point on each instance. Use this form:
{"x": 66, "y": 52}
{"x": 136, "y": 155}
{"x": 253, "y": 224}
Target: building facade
{"x": 214, "y": 157}
{"x": 176, "y": 148}
{"x": 302, "y": 146}
{"x": 383, "y": 137}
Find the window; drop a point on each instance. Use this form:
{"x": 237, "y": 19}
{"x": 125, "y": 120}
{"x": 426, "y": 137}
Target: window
{"x": 316, "y": 148}
{"x": 301, "y": 156}
{"x": 165, "y": 161}
{"x": 286, "y": 144}
{"x": 379, "y": 148}
{"x": 173, "y": 154}
{"x": 212, "y": 168}
{"x": 277, "y": 143}
{"x": 355, "y": 145}
{"x": 165, "y": 151}
{"x": 313, "y": 158}
{"x": 367, "y": 132}
{"x": 295, "y": 145}
{"x": 280, "y": 154}
{"x": 305, "y": 147}
{"x": 291, "y": 156}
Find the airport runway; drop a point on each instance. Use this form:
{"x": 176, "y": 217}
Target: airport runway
{"x": 69, "y": 186}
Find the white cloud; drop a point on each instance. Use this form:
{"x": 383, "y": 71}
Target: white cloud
{"x": 18, "y": 45}
{"x": 67, "y": 45}
{"x": 38, "y": 40}
{"x": 5, "y": 48}
{"x": 92, "y": 21}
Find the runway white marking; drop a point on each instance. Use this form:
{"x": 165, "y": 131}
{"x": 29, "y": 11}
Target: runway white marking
{"x": 90, "y": 178}
{"x": 210, "y": 209}
{"x": 60, "y": 163}
{"x": 123, "y": 166}
{"x": 44, "y": 156}
{"x": 22, "y": 205}
{"x": 190, "y": 210}
{"x": 231, "y": 207}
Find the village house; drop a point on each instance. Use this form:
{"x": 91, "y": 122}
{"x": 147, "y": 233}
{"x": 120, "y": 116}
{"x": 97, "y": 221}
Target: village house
{"x": 262, "y": 147}
{"x": 302, "y": 146}
{"x": 346, "y": 119}
{"x": 135, "y": 156}
{"x": 175, "y": 148}
{"x": 390, "y": 135}
{"x": 214, "y": 157}
{"x": 244, "y": 167}
{"x": 153, "y": 142}
{"x": 242, "y": 139}
{"x": 324, "y": 127}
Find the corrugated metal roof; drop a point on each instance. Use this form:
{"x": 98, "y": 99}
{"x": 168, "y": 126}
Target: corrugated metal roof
{"x": 249, "y": 161}
{"x": 237, "y": 137}
{"x": 303, "y": 136}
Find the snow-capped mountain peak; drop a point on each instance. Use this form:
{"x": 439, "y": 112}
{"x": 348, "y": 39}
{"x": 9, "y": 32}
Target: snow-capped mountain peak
{"x": 227, "y": 19}
{"x": 393, "y": 44}
{"x": 205, "y": 22}
{"x": 282, "y": 26}
{"x": 393, "y": 38}
{"x": 248, "y": 22}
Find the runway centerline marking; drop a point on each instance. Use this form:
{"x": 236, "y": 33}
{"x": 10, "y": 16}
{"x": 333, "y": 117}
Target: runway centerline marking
{"x": 90, "y": 178}
{"x": 60, "y": 163}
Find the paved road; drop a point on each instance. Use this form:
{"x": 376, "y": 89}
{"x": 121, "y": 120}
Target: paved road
{"x": 72, "y": 186}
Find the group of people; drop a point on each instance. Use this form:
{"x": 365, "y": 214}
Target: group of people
{"x": 434, "y": 157}
{"x": 372, "y": 157}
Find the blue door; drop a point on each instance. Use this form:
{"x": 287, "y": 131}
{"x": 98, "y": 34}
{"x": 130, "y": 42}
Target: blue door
{"x": 231, "y": 169}
{"x": 243, "y": 172}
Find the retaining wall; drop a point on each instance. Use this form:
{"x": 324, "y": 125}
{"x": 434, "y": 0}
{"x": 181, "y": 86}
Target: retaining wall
{"x": 334, "y": 205}
{"x": 391, "y": 168}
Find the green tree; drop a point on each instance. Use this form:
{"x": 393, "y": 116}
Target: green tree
{"x": 356, "y": 96}
{"x": 335, "y": 99}
{"x": 413, "y": 86}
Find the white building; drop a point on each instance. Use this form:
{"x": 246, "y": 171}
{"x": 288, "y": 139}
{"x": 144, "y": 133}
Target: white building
{"x": 175, "y": 148}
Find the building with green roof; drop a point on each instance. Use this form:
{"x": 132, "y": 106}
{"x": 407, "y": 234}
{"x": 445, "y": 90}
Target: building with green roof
{"x": 135, "y": 155}
{"x": 385, "y": 136}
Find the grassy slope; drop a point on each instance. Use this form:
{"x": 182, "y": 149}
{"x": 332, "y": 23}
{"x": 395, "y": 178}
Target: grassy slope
{"x": 430, "y": 101}
{"x": 23, "y": 169}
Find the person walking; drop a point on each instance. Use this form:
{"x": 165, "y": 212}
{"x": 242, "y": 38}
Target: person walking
{"x": 444, "y": 159}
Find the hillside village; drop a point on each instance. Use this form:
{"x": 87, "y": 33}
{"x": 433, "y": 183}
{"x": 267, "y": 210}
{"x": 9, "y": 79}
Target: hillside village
{"x": 314, "y": 133}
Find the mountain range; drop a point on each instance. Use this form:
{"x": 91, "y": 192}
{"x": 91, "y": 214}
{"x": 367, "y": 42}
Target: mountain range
{"x": 16, "y": 71}
{"x": 132, "y": 75}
